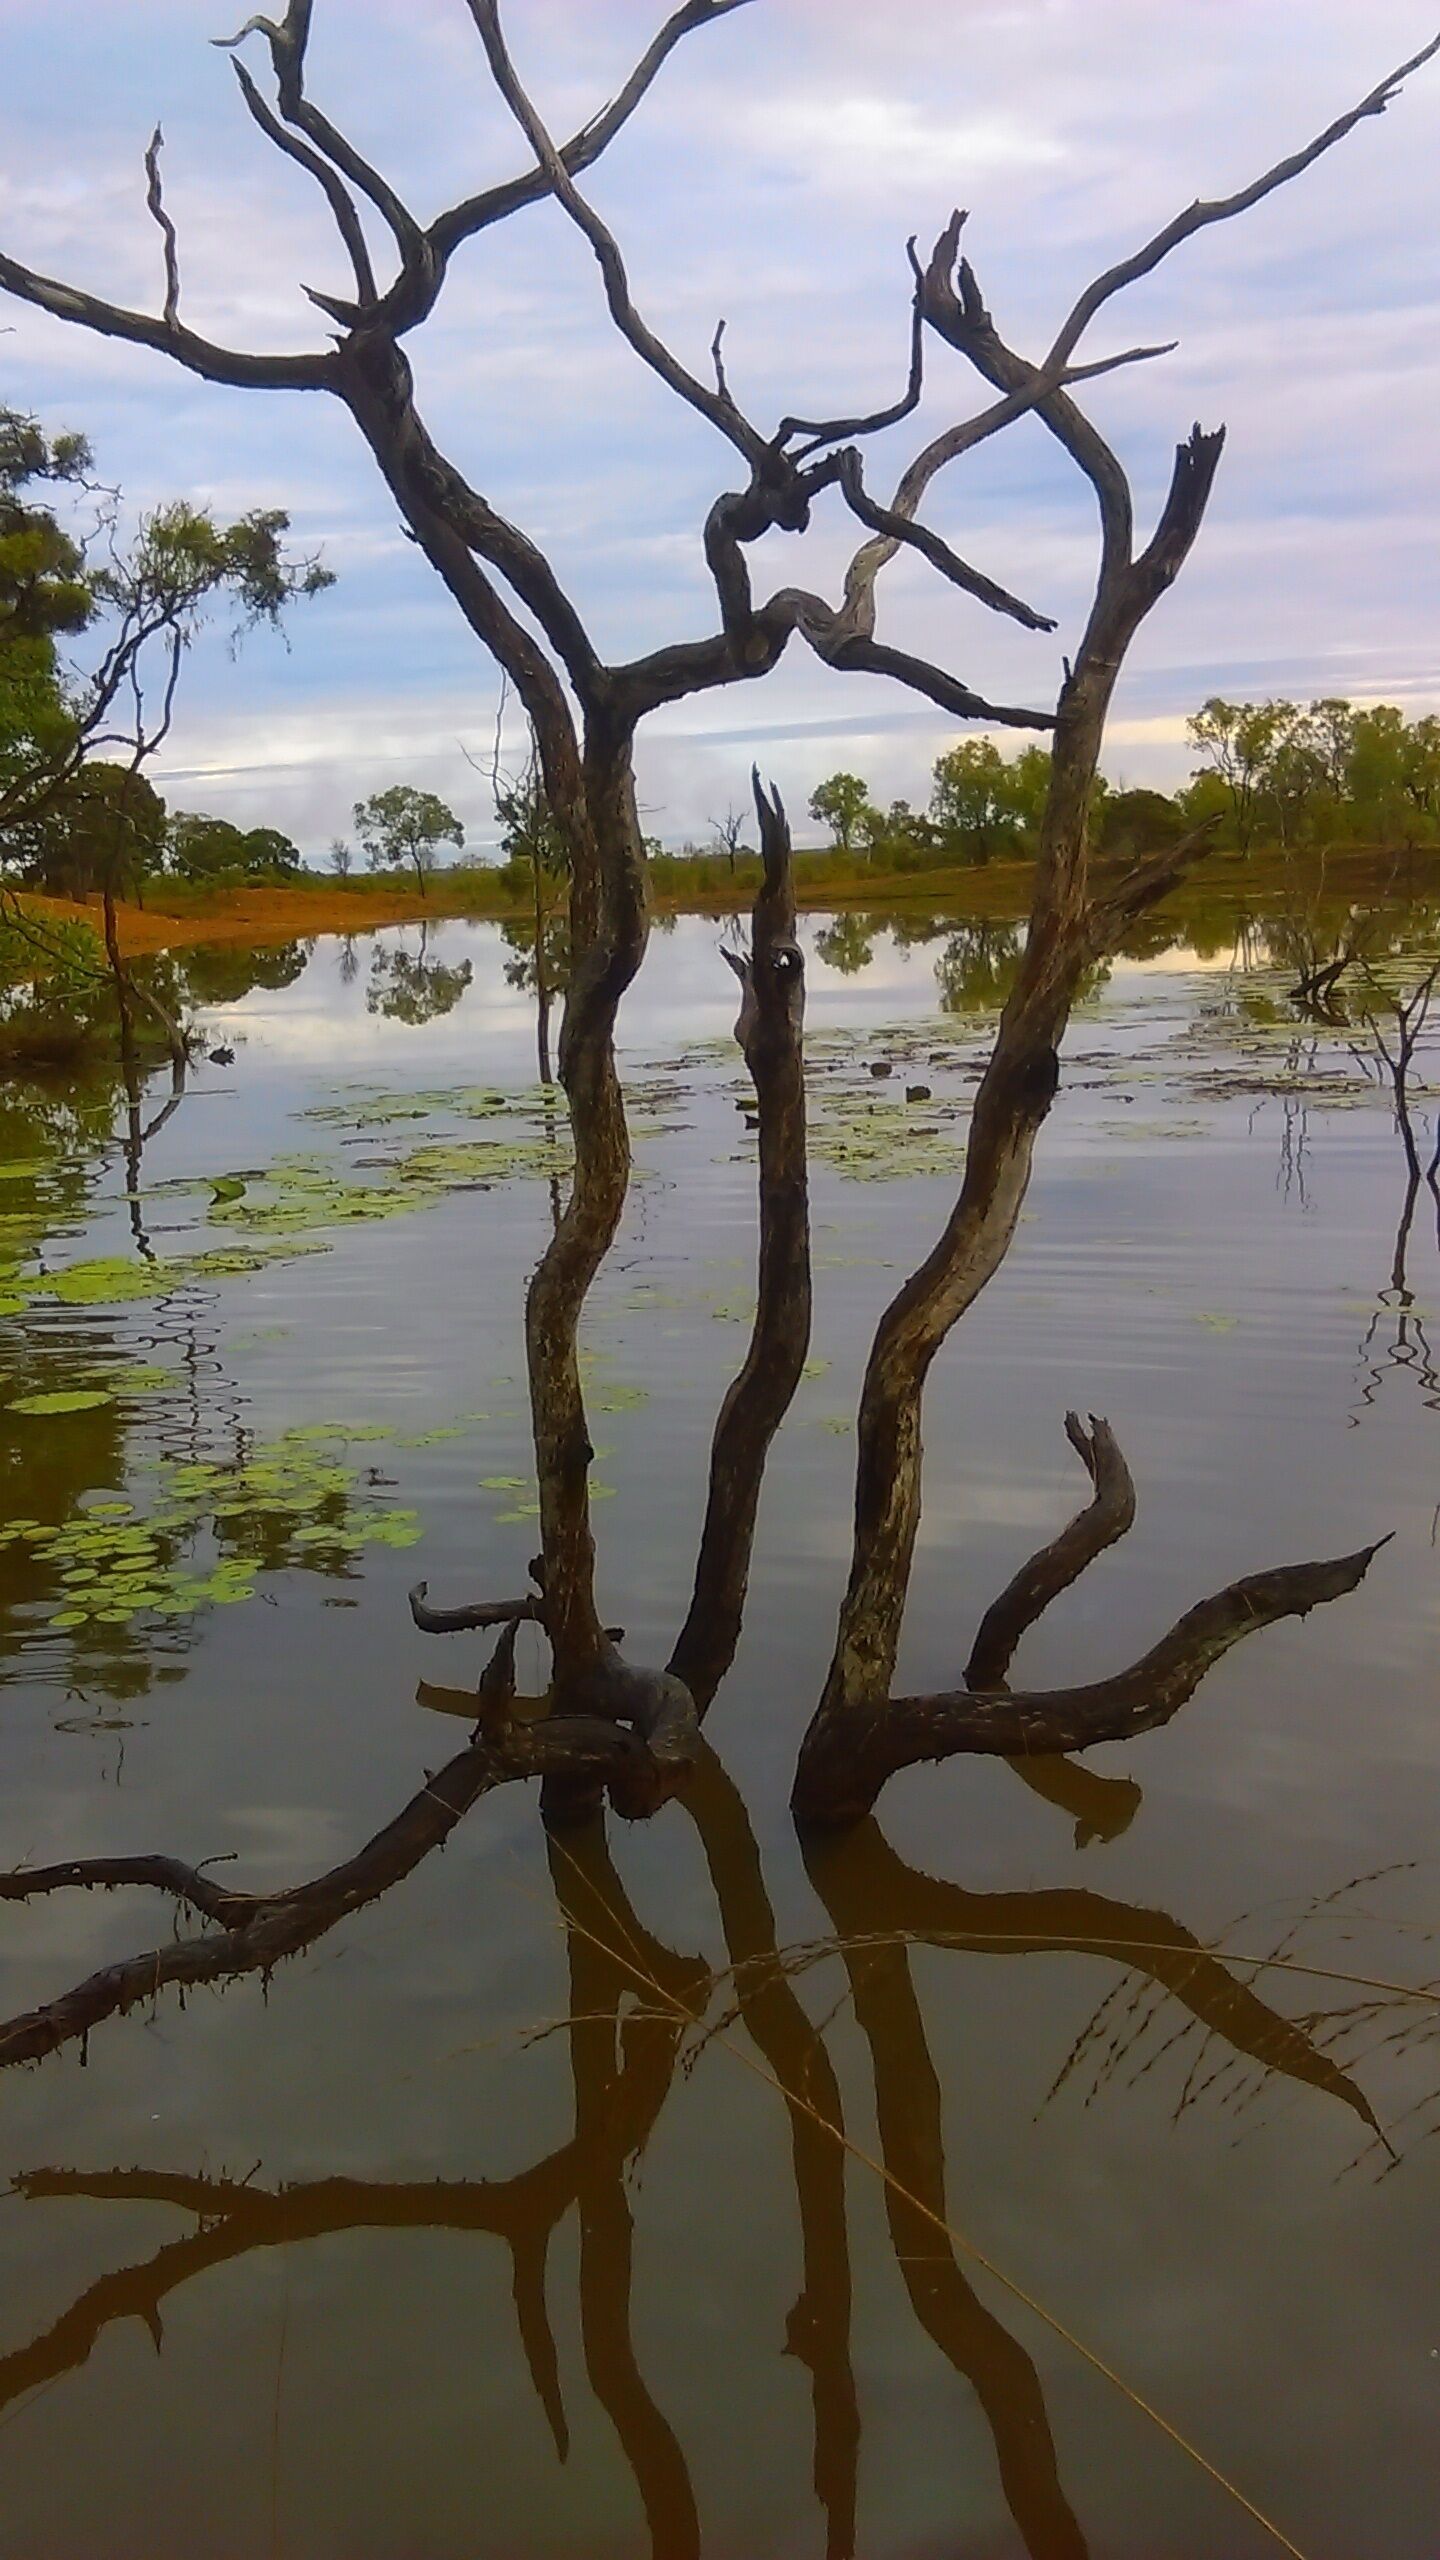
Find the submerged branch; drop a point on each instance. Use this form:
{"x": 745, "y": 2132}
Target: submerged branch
{"x": 846, "y": 1758}
{"x": 258, "y": 1931}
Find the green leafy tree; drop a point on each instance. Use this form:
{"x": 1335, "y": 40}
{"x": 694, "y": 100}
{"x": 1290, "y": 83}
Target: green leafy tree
{"x": 104, "y": 830}
{"x": 1394, "y": 780}
{"x": 213, "y": 850}
{"x": 1329, "y": 732}
{"x": 272, "y": 854}
{"x": 147, "y": 596}
{"x": 973, "y": 802}
{"x": 43, "y": 593}
{"x": 204, "y": 850}
{"x": 1139, "y": 822}
{"x": 403, "y": 825}
{"x": 1239, "y": 742}
{"x": 898, "y": 838}
{"x": 1027, "y": 784}
{"x": 842, "y": 804}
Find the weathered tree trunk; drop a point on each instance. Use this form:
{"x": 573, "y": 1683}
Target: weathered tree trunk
{"x": 770, "y": 1031}
{"x": 1069, "y": 929}
{"x": 1011, "y": 1103}
{"x": 609, "y": 925}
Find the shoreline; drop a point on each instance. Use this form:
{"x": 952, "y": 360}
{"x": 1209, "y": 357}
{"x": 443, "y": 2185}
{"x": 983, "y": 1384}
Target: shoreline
{"x": 996, "y": 890}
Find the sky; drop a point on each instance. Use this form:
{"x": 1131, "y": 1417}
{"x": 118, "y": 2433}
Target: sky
{"x": 771, "y": 177}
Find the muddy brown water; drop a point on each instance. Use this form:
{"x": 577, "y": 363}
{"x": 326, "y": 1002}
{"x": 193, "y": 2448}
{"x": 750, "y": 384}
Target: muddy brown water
{"x": 483, "y": 2228}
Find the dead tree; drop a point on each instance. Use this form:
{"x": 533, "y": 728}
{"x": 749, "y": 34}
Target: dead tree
{"x": 585, "y": 715}
{"x": 1074, "y": 921}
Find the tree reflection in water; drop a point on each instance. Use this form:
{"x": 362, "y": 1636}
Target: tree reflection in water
{"x": 639, "y": 2011}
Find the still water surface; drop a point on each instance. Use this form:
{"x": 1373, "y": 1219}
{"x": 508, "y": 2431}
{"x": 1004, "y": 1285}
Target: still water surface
{"x": 457, "y": 2238}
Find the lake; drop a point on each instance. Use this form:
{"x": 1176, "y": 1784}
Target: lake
{"x": 677, "y": 2189}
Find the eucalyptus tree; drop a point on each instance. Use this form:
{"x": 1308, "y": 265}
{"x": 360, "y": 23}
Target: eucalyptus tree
{"x": 405, "y": 826}
{"x": 74, "y": 802}
{"x": 585, "y": 713}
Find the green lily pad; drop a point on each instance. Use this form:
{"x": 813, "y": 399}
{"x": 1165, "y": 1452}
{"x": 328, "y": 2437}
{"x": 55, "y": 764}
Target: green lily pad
{"x": 64, "y": 1400}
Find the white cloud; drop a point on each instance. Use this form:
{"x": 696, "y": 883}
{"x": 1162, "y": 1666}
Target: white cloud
{"x": 772, "y": 175}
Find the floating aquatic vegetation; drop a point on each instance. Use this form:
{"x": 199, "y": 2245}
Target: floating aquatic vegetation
{"x": 286, "y": 1502}
{"x": 875, "y": 1141}
{"x": 615, "y": 1396}
{"x": 114, "y": 1280}
{"x": 300, "y": 1194}
{"x": 140, "y": 1378}
{"x": 374, "y": 1108}
{"x": 62, "y": 1400}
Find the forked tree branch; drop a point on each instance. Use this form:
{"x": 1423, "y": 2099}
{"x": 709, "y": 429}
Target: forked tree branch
{"x": 717, "y": 405}
{"x": 337, "y": 195}
{"x": 1201, "y": 214}
{"x": 288, "y": 40}
{"x": 899, "y": 528}
{"x": 1041, "y": 1580}
{"x": 495, "y": 204}
{"x": 823, "y": 431}
{"x": 845, "y": 1761}
{"x": 214, "y": 363}
{"x": 770, "y": 1031}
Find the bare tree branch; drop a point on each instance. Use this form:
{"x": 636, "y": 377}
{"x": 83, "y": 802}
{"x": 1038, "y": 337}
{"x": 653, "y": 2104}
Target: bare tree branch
{"x": 900, "y": 529}
{"x": 155, "y": 203}
{"x": 822, "y": 431}
{"x": 197, "y": 354}
{"x": 1052, "y": 1570}
{"x": 287, "y": 42}
{"x": 842, "y": 1772}
{"x": 770, "y": 1031}
{"x": 337, "y": 195}
{"x": 258, "y": 1931}
{"x": 717, "y": 406}
{"x": 1197, "y": 216}
{"x": 497, "y": 203}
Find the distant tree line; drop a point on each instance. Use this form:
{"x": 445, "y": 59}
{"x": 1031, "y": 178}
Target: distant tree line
{"x": 1268, "y": 772}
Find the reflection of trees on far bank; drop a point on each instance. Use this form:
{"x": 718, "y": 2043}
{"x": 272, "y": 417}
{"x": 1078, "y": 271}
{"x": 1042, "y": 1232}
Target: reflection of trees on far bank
{"x": 213, "y": 973}
{"x": 1395, "y": 1008}
{"x": 408, "y": 986}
